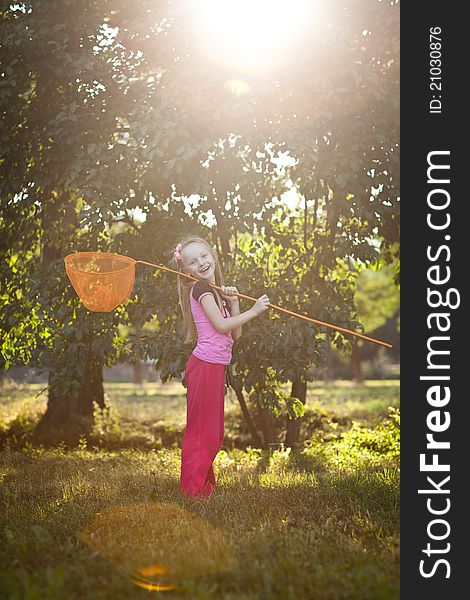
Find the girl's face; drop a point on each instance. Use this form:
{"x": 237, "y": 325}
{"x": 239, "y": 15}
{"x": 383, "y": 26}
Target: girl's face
{"x": 198, "y": 261}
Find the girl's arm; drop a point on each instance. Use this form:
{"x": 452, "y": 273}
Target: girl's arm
{"x": 234, "y": 311}
{"x": 221, "y": 324}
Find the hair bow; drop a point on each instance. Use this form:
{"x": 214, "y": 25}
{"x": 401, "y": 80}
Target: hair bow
{"x": 176, "y": 253}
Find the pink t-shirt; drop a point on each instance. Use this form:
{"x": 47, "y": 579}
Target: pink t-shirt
{"x": 212, "y": 346}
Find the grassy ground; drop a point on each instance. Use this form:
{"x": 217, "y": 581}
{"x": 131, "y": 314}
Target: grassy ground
{"x": 107, "y": 520}
{"x": 152, "y": 416}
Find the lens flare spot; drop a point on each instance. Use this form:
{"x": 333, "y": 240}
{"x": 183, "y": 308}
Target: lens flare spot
{"x": 152, "y": 570}
{"x": 152, "y": 587}
{"x": 157, "y": 544}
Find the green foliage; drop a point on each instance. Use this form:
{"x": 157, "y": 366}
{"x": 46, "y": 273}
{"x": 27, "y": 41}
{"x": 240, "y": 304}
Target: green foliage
{"x": 384, "y": 440}
{"x": 108, "y": 109}
{"x": 106, "y": 419}
{"x": 363, "y": 446}
{"x": 377, "y": 296}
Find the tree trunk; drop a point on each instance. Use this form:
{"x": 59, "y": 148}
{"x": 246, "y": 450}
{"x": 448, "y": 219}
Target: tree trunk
{"x": 224, "y": 237}
{"x": 225, "y": 245}
{"x": 246, "y": 415}
{"x": 70, "y": 415}
{"x": 298, "y": 390}
{"x": 356, "y": 364}
{"x": 269, "y": 427}
{"x": 137, "y": 372}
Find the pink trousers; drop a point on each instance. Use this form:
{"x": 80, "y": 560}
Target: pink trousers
{"x": 204, "y": 431}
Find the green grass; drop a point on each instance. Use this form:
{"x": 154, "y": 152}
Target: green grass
{"x": 321, "y": 522}
{"x": 367, "y": 402}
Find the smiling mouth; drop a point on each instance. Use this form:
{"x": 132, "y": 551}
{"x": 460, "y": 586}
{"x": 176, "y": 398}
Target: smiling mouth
{"x": 205, "y": 270}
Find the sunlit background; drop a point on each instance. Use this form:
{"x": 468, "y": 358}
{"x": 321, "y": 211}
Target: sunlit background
{"x": 252, "y": 35}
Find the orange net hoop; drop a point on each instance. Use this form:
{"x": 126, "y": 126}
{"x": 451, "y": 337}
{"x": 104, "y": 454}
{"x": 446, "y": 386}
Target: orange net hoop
{"x": 102, "y": 280}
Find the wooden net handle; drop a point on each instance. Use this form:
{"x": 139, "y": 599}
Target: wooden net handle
{"x": 285, "y": 310}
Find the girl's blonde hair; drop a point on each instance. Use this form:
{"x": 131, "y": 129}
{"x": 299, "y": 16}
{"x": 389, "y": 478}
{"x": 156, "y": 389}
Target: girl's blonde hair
{"x": 184, "y": 287}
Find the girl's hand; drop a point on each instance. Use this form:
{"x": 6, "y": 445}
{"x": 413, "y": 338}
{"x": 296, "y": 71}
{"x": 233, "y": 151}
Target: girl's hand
{"x": 261, "y": 305}
{"x": 228, "y": 292}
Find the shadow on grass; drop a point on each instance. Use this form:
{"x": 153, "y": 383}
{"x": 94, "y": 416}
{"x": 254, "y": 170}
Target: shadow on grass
{"x": 129, "y": 434}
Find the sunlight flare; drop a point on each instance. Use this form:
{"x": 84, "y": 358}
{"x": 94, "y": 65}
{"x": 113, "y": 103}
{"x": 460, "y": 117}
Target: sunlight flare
{"x": 251, "y": 34}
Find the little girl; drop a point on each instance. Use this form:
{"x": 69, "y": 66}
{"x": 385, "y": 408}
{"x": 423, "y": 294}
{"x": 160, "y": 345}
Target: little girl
{"x": 214, "y": 321}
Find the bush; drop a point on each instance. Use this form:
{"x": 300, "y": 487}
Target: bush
{"x": 361, "y": 446}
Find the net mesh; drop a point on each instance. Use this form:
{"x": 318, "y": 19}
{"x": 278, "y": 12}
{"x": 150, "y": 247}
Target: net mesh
{"x": 102, "y": 280}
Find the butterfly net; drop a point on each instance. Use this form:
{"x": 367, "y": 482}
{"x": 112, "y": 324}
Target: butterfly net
{"x": 102, "y": 280}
